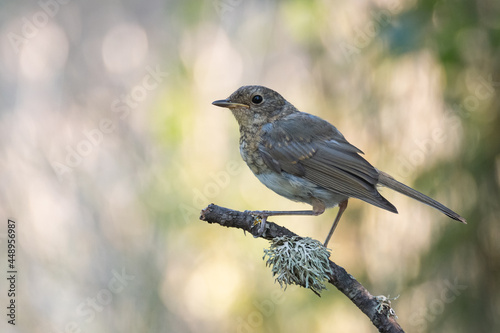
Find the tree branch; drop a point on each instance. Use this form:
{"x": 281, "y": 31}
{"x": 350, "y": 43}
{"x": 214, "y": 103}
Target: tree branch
{"x": 343, "y": 281}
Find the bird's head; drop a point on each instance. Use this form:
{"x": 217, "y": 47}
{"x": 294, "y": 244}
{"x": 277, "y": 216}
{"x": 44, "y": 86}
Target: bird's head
{"x": 255, "y": 105}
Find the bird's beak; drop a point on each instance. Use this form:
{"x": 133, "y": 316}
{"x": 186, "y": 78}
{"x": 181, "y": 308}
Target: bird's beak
{"x": 226, "y": 103}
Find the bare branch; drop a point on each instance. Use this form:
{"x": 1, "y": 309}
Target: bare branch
{"x": 343, "y": 281}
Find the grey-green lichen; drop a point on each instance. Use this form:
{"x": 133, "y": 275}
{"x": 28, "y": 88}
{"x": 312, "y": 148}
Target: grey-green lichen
{"x": 301, "y": 261}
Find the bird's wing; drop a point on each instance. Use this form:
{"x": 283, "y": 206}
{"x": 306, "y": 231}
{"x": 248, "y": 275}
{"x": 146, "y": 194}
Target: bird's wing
{"x": 307, "y": 146}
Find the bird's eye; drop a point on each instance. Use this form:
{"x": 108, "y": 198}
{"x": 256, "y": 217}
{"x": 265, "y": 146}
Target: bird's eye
{"x": 257, "y": 99}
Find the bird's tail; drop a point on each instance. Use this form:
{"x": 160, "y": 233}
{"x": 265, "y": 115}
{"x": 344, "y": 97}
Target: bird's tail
{"x": 386, "y": 180}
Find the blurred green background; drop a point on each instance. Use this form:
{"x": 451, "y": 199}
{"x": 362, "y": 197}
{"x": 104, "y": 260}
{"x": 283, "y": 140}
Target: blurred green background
{"x": 110, "y": 147}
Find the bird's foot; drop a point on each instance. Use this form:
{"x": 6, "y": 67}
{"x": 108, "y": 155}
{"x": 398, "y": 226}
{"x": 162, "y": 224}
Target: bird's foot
{"x": 260, "y": 219}
{"x": 384, "y": 305}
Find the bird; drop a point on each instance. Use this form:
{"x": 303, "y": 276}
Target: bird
{"x": 306, "y": 159}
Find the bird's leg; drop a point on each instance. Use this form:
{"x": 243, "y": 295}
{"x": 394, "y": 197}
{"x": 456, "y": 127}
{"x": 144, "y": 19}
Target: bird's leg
{"x": 342, "y": 207}
{"x": 318, "y": 209}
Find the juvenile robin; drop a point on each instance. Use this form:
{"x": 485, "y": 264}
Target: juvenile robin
{"x": 304, "y": 158}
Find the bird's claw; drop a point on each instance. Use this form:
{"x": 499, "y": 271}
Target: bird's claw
{"x": 384, "y": 304}
{"x": 260, "y": 221}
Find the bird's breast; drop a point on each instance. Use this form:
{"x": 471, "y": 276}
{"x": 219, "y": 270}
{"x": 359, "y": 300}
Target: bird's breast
{"x": 251, "y": 156}
{"x": 249, "y": 150}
